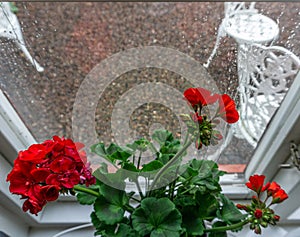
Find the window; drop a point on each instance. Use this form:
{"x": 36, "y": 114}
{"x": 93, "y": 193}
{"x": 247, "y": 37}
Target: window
{"x": 86, "y": 45}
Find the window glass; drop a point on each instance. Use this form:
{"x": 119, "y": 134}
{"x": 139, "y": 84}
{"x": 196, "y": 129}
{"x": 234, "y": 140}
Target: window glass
{"x": 75, "y": 41}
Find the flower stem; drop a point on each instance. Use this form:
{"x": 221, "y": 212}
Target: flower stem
{"x": 170, "y": 163}
{"x": 230, "y": 227}
{"x": 128, "y": 208}
{"x": 139, "y": 160}
{"x": 86, "y": 190}
{"x": 139, "y": 189}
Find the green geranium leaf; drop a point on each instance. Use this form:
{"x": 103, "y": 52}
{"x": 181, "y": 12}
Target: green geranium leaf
{"x": 162, "y": 136}
{"x": 203, "y": 173}
{"x": 125, "y": 231}
{"x": 191, "y": 221}
{"x": 151, "y": 166}
{"x": 120, "y": 155}
{"x": 207, "y": 203}
{"x": 111, "y": 179}
{"x": 120, "y": 230}
{"x": 99, "y": 149}
{"x": 182, "y": 201}
{"x": 114, "y": 196}
{"x": 164, "y": 158}
{"x": 112, "y": 152}
{"x": 129, "y": 166}
{"x": 85, "y": 198}
{"x": 229, "y": 213}
{"x": 116, "y": 230}
{"x": 101, "y": 228}
{"x": 109, "y": 207}
{"x": 107, "y": 212}
{"x": 170, "y": 147}
{"x": 157, "y": 217}
{"x": 141, "y": 145}
{"x": 96, "y": 222}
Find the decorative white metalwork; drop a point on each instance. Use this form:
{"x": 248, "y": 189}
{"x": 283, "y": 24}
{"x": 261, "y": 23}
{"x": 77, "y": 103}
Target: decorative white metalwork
{"x": 264, "y": 76}
{"x": 10, "y": 28}
{"x": 243, "y": 22}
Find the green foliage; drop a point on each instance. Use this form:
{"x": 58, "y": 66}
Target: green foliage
{"x": 86, "y": 198}
{"x": 151, "y": 166}
{"x": 157, "y": 217}
{"x": 218, "y": 234}
{"x": 169, "y": 146}
{"x": 111, "y": 205}
{"x": 229, "y": 213}
{"x": 204, "y": 174}
{"x": 112, "y": 153}
{"x": 187, "y": 197}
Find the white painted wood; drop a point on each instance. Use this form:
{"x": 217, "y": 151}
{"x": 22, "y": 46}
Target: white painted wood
{"x": 14, "y": 135}
{"x": 11, "y": 224}
{"x": 274, "y": 147}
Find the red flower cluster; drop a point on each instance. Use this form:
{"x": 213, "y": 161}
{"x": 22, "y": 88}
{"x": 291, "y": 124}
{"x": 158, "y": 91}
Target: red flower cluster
{"x": 201, "y": 125}
{"x": 44, "y": 170}
{"x": 199, "y": 97}
{"x": 256, "y": 183}
{"x": 261, "y": 213}
{"x": 227, "y": 110}
{"x": 278, "y": 194}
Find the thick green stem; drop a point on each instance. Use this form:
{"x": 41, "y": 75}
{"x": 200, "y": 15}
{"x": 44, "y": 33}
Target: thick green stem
{"x": 170, "y": 163}
{"x": 139, "y": 189}
{"x": 229, "y": 227}
{"x": 86, "y": 190}
{"x": 139, "y": 160}
{"x": 128, "y": 208}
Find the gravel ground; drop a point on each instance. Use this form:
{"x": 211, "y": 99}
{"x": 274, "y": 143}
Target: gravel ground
{"x": 69, "y": 39}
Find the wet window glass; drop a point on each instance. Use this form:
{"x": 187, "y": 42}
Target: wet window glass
{"x": 117, "y": 71}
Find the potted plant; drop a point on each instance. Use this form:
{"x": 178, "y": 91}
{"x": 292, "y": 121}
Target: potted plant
{"x": 163, "y": 197}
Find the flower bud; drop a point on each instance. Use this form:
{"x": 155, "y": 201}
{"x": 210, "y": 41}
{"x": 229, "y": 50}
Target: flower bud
{"x": 266, "y": 217}
{"x": 258, "y": 213}
{"x": 242, "y": 207}
{"x": 257, "y": 230}
{"x": 276, "y": 218}
{"x": 264, "y": 224}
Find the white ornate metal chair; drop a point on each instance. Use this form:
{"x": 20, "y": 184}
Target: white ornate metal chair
{"x": 265, "y": 74}
{"x": 243, "y": 22}
{"x": 10, "y": 28}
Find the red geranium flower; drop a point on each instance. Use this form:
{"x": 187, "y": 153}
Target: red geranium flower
{"x": 279, "y": 196}
{"x": 200, "y": 97}
{"x": 43, "y": 170}
{"x": 256, "y": 183}
{"x": 33, "y": 205}
{"x": 273, "y": 188}
{"x": 227, "y": 109}
{"x": 36, "y": 153}
{"x": 50, "y": 192}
